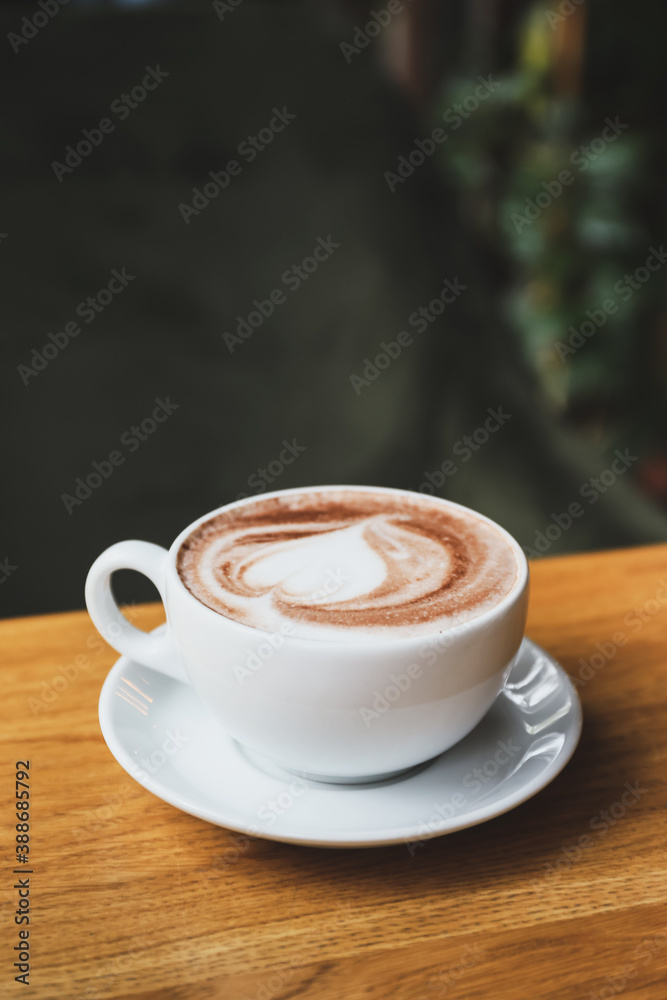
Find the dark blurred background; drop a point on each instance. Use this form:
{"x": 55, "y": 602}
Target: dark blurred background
{"x": 501, "y": 159}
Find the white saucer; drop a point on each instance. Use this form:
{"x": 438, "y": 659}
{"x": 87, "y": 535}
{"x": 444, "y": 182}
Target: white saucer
{"x": 157, "y": 729}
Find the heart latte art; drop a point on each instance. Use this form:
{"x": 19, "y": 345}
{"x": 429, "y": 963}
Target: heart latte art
{"x": 348, "y": 563}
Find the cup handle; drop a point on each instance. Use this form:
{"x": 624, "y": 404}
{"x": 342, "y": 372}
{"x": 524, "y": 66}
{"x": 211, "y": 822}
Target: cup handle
{"x": 158, "y": 652}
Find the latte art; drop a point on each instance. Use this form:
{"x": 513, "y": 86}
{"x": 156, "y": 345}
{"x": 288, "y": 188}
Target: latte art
{"x": 336, "y": 563}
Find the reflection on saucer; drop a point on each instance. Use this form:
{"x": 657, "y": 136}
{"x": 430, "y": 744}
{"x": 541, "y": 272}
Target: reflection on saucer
{"x": 133, "y": 695}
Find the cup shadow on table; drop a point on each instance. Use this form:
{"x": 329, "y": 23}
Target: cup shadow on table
{"x": 518, "y": 846}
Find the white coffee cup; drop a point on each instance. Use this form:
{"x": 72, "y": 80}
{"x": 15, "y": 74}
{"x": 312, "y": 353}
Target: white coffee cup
{"x": 335, "y": 710}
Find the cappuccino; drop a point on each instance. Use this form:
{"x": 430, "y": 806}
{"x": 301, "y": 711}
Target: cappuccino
{"x": 348, "y": 563}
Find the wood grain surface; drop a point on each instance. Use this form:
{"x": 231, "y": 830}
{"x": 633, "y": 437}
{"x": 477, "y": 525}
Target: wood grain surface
{"x": 562, "y": 898}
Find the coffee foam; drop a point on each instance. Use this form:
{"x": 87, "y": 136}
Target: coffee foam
{"x": 343, "y": 564}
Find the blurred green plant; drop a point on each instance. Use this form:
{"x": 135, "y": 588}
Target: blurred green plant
{"x": 553, "y": 177}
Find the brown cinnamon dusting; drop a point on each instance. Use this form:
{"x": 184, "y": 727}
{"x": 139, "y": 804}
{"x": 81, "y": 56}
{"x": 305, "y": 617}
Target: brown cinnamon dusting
{"x": 484, "y": 565}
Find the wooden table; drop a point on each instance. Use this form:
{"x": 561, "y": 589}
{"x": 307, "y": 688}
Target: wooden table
{"x": 564, "y": 897}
